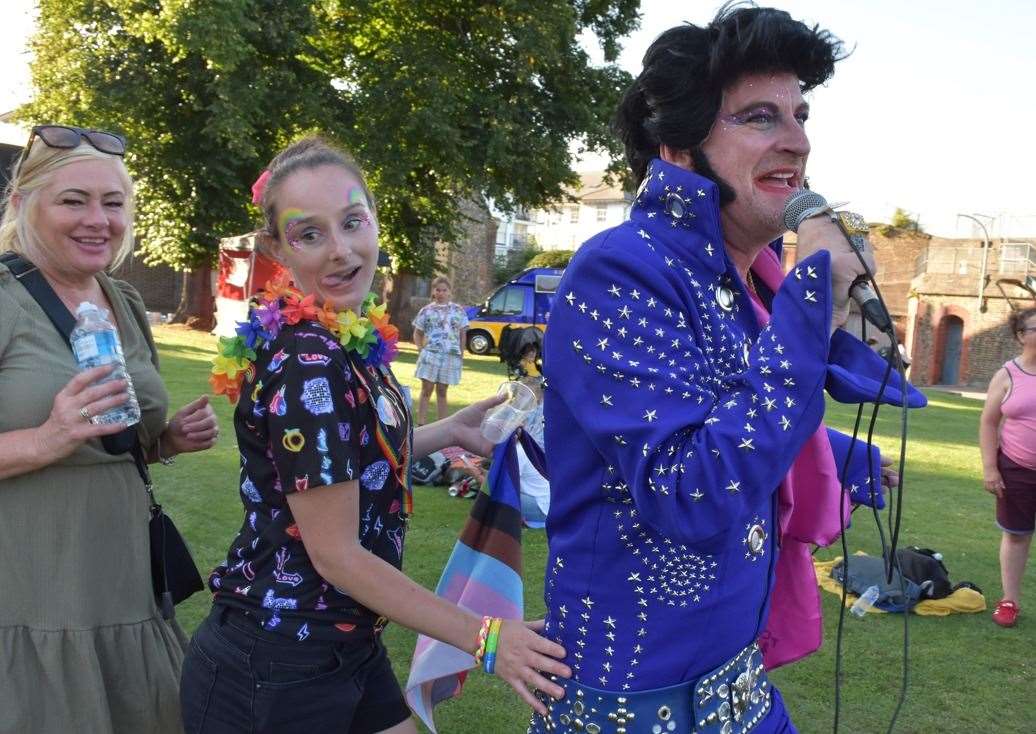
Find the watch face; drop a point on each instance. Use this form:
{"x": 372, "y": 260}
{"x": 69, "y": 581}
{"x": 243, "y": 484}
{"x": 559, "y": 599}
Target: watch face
{"x": 853, "y": 223}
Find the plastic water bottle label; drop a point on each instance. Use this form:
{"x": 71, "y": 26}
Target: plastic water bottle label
{"x": 98, "y": 347}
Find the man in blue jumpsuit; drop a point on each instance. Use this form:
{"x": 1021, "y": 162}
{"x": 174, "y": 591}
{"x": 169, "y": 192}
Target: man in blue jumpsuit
{"x": 672, "y": 414}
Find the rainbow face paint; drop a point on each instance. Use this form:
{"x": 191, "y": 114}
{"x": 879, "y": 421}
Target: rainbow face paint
{"x": 357, "y": 196}
{"x": 304, "y": 231}
{"x": 288, "y": 223}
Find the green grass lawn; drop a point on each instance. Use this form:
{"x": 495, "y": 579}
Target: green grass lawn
{"x": 966, "y": 674}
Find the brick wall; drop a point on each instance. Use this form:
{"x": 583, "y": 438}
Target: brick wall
{"x": 895, "y": 253}
{"x": 937, "y": 297}
{"x": 922, "y": 306}
{"x": 159, "y": 285}
{"x": 469, "y": 264}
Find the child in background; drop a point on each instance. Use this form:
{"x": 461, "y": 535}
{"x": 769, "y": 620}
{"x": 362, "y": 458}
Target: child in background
{"x": 440, "y": 330}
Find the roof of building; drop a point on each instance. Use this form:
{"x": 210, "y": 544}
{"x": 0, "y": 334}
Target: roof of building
{"x": 595, "y": 190}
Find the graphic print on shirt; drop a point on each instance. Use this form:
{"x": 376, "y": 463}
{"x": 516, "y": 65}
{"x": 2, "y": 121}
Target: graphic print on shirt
{"x": 316, "y": 396}
{"x": 442, "y": 325}
{"x": 314, "y": 426}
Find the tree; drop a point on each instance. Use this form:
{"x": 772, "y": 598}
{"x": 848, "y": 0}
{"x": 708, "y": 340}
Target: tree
{"x": 902, "y": 219}
{"x": 441, "y": 101}
{"x": 203, "y": 91}
{"x": 515, "y": 261}
{"x": 551, "y": 259}
{"x": 464, "y": 99}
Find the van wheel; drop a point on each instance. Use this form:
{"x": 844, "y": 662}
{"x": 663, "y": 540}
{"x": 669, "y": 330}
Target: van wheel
{"x": 479, "y": 342}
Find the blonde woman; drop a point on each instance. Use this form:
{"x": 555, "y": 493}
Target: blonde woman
{"x": 440, "y": 330}
{"x": 84, "y": 645}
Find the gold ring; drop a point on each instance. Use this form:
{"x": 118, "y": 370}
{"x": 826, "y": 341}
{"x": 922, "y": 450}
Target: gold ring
{"x": 85, "y": 413}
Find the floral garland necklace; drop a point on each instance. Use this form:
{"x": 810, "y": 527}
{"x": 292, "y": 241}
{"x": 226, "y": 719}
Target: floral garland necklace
{"x": 369, "y": 334}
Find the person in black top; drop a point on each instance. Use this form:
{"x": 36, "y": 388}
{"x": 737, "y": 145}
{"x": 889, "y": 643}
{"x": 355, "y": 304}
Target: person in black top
{"x": 325, "y": 435}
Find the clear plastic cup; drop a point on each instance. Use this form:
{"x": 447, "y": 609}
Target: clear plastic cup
{"x": 501, "y": 421}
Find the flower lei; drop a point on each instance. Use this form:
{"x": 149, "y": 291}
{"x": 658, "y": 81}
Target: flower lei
{"x": 370, "y": 334}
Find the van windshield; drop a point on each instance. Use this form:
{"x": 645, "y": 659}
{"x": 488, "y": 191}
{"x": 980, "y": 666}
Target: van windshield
{"x": 507, "y": 300}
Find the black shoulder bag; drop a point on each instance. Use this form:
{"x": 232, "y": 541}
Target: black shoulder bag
{"x": 174, "y": 574}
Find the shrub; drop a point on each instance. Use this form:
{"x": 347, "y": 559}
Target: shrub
{"x": 551, "y": 259}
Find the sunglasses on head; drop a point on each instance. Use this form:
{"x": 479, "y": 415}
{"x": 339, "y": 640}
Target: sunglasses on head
{"x": 68, "y": 137}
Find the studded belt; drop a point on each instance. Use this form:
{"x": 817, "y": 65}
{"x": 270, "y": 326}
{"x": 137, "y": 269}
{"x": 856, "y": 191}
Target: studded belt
{"x": 731, "y": 699}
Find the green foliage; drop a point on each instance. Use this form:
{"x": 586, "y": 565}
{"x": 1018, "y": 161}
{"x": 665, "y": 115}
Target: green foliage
{"x": 505, "y": 268}
{"x": 902, "y": 219}
{"x": 440, "y": 101}
{"x": 551, "y": 259}
{"x": 205, "y": 92}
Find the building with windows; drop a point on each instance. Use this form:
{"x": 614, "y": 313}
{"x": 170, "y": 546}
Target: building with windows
{"x": 598, "y": 205}
{"x": 514, "y": 232}
{"x": 931, "y": 285}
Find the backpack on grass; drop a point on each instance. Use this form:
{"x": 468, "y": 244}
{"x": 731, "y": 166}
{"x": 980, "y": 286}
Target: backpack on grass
{"x": 430, "y": 469}
{"x": 925, "y": 568}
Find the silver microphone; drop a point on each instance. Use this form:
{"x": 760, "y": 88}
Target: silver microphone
{"x": 805, "y": 204}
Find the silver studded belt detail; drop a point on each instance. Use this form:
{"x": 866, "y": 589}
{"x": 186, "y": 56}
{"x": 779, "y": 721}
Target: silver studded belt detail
{"x": 731, "y": 699}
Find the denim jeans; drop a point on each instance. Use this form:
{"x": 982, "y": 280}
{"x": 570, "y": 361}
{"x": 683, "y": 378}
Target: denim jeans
{"x": 240, "y": 679}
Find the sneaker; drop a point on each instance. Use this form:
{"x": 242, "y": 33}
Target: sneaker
{"x": 1006, "y": 613}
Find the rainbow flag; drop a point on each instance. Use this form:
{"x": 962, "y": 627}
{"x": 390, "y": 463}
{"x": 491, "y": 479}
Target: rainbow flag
{"x": 483, "y": 575}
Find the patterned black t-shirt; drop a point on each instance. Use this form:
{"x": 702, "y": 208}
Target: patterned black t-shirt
{"x": 312, "y": 414}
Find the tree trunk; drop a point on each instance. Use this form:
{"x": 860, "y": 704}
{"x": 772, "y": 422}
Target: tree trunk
{"x": 197, "y": 307}
{"x": 399, "y": 292}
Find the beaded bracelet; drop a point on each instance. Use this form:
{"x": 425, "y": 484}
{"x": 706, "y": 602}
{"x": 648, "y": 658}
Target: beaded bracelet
{"x": 491, "y": 642}
{"x": 483, "y": 633}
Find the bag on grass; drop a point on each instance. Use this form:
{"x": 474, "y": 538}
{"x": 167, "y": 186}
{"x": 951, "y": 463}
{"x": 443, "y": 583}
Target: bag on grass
{"x": 430, "y": 469}
{"x": 925, "y": 568}
{"x": 866, "y": 571}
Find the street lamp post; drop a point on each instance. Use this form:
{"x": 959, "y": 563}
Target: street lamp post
{"x": 983, "y": 278}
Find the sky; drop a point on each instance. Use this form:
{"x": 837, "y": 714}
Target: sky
{"x": 933, "y": 111}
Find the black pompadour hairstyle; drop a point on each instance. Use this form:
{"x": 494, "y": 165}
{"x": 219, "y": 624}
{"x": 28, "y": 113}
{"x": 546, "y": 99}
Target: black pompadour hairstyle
{"x": 675, "y": 99}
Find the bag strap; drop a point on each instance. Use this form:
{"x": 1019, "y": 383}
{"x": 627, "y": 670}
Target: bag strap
{"x": 30, "y": 276}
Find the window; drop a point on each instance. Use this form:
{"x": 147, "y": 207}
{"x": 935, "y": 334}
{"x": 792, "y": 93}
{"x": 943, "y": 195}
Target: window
{"x": 547, "y": 283}
{"x": 1018, "y": 257}
{"x": 507, "y": 301}
{"x": 602, "y": 212}
{"x": 573, "y": 215}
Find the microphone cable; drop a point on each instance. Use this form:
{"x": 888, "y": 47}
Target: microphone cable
{"x": 895, "y": 497}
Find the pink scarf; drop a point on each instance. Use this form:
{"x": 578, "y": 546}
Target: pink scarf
{"x": 809, "y": 514}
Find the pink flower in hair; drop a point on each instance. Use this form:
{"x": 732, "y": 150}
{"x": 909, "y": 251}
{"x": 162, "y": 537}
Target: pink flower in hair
{"x": 259, "y": 186}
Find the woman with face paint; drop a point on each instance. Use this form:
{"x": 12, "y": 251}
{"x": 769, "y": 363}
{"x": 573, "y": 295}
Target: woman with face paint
{"x": 293, "y": 642}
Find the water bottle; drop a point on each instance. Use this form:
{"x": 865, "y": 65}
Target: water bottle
{"x": 861, "y": 606}
{"x": 95, "y": 343}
